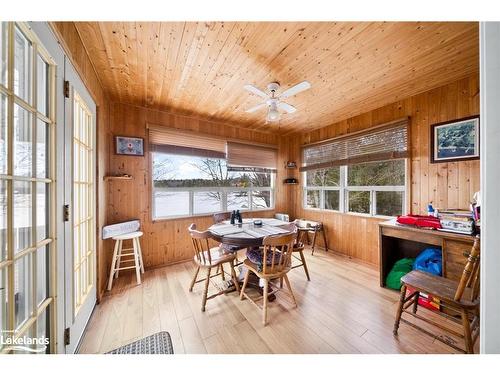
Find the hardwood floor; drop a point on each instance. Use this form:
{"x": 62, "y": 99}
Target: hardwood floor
{"x": 341, "y": 310}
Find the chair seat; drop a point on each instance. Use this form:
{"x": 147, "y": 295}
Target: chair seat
{"x": 255, "y": 255}
{"x": 218, "y": 256}
{"x": 440, "y": 287}
{"x": 257, "y": 269}
{"x": 298, "y": 246}
{"x": 230, "y": 248}
{"x": 127, "y": 236}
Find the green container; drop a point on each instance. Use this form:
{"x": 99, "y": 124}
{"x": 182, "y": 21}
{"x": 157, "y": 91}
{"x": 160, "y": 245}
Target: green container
{"x": 400, "y": 268}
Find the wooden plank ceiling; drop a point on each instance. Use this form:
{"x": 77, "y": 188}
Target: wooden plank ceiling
{"x": 199, "y": 68}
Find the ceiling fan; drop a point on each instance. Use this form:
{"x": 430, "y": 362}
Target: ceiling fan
{"x": 274, "y": 101}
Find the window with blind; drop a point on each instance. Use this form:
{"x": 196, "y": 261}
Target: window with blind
{"x": 199, "y": 175}
{"x": 363, "y": 172}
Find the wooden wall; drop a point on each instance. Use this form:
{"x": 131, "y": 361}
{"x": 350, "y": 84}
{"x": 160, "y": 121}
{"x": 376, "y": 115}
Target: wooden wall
{"x": 73, "y": 46}
{"x": 445, "y": 185}
{"x": 164, "y": 241}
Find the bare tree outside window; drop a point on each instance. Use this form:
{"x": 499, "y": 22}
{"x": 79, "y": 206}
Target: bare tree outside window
{"x": 213, "y": 185}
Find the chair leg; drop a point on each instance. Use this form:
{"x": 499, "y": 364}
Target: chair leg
{"x": 324, "y": 238}
{"x": 194, "y": 279}
{"x": 400, "y": 310}
{"x": 140, "y": 254}
{"x": 287, "y": 282}
{"x": 264, "y": 301}
{"x": 303, "y": 259}
{"x": 136, "y": 262}
{"x": 281, "y": 283}
{"x": 314, "y": 240}
{"x": 415, "y": 302}
{"x": 245, "y": 281}
{"x": 469, "y": 346}
{"x": 118, "y": 258}
{"x": 222, "y": 272}
{"x": 235, "y": 279}
{"x": 205, "y": 292}
{"x": 113, "y": 263}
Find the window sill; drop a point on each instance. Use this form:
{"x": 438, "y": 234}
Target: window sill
{"x": 198, "y": 216}
{"x": 367, "y": 216}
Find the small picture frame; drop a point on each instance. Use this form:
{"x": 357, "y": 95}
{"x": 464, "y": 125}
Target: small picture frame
{"x": 291, "y": 165}
{"x": 455, "y": 140}
{"x": 129, "y": 146}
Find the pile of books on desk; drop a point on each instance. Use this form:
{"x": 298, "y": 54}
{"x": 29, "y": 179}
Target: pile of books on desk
{"x": 457, "y": 221}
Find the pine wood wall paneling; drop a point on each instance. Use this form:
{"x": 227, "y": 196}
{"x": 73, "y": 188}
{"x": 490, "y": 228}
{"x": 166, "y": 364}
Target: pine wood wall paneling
{"x": 167, "y": 241}
{"x": 70, "y": 40}
{"x": 445, "y": 185}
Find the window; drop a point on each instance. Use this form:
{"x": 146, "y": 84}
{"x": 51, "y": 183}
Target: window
{"x": 322, "y": 188}
{"x": 186, "y": 185}
{"x": 364, "y": 173}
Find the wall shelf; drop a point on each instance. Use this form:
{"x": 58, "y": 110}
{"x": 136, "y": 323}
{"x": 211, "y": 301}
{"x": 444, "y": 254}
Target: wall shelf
{"x": 107, "y": 178}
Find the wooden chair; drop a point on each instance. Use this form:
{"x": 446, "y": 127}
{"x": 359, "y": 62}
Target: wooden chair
{"x": 456, "y": 299}
{"x": 298, "y": 247}
{"x": 208, "y": 258}
{"x": 313, "y": 227}
{"x": 274, "y": 265}
{"x": 219, "y": 218}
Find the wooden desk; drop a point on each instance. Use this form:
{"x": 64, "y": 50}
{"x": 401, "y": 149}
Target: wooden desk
{"x": 398, "y": 241}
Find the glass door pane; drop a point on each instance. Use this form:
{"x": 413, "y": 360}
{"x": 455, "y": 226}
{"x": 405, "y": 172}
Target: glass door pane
{"x": 22, "y": 142}
{"x": 83, "y": 198}
{"x": 4, "y": 49}
{"x": 22, "y": 66}
{"x": 3, "y": 134}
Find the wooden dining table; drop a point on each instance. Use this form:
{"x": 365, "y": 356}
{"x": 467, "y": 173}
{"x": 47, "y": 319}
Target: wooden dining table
{"x": 249, "y": 235}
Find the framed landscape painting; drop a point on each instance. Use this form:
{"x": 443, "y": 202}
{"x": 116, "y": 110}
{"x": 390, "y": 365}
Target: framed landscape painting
{"x": 129, "y": 146}
{"x": 455, "y": 140}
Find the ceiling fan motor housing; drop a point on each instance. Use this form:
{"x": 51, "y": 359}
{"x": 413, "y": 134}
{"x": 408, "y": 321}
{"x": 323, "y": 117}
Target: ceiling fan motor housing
{"x": 273, "y": 87}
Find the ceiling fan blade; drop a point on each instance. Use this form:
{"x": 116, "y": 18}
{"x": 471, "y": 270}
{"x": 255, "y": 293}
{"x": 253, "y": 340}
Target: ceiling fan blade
{"x": 256, "y": 108}
{"x": 287, "y": 107}
{"x": 299, "y": 87}
{"x": 256, "y": 91}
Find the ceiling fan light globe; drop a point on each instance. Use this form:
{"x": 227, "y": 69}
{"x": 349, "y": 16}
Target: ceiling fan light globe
{"x": 273, "y": 115}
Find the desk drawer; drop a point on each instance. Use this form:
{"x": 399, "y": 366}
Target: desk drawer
{"x": 453, "y": 258}
{"x": 405, "y": 234}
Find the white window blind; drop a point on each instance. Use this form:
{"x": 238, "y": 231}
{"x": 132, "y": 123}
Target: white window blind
{"x": 385, "y": 142}
{"x": 242, "y": 156}
{"x": 174, "y": 141}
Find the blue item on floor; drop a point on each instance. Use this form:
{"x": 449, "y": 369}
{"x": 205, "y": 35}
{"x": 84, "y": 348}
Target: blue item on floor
{"x": 430, "y": 260}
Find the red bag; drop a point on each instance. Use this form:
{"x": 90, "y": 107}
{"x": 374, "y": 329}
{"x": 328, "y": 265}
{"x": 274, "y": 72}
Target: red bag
{"x": 420, "y": 221}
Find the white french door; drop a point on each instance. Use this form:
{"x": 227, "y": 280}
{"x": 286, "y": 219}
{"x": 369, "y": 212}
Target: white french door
{"x": 28, "y": 120}
{"x": 80, "y": 207}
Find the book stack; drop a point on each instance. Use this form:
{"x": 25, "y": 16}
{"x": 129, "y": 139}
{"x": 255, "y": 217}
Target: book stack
{"x": 457, "y": 221}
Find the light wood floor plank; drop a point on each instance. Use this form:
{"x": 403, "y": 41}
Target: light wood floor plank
{"x": 341, "y": 310}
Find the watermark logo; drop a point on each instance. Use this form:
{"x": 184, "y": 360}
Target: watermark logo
{"x": 8, "y": 341}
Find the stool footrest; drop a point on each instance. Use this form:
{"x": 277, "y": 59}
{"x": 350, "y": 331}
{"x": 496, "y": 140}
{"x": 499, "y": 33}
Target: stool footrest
{"x": 124, "y": 268}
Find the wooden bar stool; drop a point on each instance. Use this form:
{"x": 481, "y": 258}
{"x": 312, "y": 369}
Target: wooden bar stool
{"x": 314, "y": 227}
{"x": 134, "y": 254}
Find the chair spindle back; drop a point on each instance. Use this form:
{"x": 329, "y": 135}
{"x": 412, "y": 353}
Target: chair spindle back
{"x": 221, "y": 216}
{"x": 201, "y": 245}
{"x": 279, "y": 249}
{"x": 470, "y": 275}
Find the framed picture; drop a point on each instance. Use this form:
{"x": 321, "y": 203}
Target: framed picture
{"x": 129, "y": 146}
{"x": 455, "y": 140}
